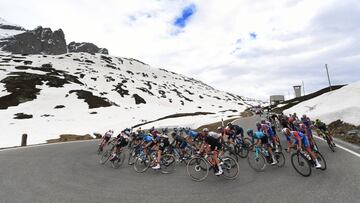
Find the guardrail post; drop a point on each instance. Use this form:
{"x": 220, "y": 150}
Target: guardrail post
{"x": 24, "y": 139}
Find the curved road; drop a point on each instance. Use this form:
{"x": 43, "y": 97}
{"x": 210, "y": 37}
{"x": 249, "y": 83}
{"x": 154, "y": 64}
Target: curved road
{"x": 71, "y": 173}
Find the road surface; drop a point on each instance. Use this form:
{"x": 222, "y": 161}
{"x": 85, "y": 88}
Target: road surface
{"x": 71, "y": 173}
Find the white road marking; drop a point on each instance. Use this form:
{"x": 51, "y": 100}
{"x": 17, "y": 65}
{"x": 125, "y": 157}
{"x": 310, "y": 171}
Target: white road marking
{"x": 341, "y": 147}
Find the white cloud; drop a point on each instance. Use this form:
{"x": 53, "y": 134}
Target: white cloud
{"x": 295, "y": 38}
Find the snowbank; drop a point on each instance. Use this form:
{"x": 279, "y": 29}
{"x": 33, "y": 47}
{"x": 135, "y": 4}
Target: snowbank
{"x": 343, "y": 104}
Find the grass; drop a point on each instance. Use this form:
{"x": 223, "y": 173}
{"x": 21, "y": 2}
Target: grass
{"x": 214, "y": 126}
{"x": 70, "y": 137}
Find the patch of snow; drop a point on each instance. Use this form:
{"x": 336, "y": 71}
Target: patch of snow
{"x": 75, "y": 118}
{"x": 343, "y": 104}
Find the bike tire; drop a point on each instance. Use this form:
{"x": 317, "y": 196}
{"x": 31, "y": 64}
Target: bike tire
{"x": 243, "y": 151}
{"x": 230, "y": 167}
{"x": 198, "y": 169}
{"x": 167, "y": 163}
{"x": 258, "y": 164}
{"x": 118, "y": 161}
{"x": 105, "y": 157}
{"x": 280, "y": 157}
{"x": 141, "y": 165}
{"x": 131, "y": 158}
{"x": 330, "y": 144}
{"x": 298, "y": 159}
{"x": 321, "y": 160}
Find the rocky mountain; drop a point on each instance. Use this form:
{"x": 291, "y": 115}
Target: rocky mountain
{"x": 86, "y": 47}
{"x": 81, "y": 93}
{"x": 38, "y": 41}
{"x": 17, "y": 40}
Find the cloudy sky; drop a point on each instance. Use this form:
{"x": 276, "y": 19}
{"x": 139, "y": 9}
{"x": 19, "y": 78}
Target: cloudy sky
{"x": 253, "y": 48}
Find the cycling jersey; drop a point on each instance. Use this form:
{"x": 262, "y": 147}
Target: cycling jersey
{"x": 192, "y": 134}
{"x": 214, "y": 135}
{"x": 213, "y": 142}
{"x": 148, "y": 138}
{"x": 238, "y": 130}
{"x": 260, "y": 136}
{"x": 163, "y": 144}
{"x": 298, "y": 135}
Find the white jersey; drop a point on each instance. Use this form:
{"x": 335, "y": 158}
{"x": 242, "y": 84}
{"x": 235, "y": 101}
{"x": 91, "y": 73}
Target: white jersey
{"x": 214, "y": 134}
{"x": 108, "y": 134}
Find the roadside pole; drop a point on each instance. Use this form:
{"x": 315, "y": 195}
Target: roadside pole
{"x": 327, "y": 72}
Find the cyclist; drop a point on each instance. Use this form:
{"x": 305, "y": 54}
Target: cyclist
{"x": 212, "y": 144}
{"x": 162, "y": 143}
{"x": 323, "y": 129}
{"x": 106, "y": 138}
{"x": 179, "y": 142}
{"x": 148, "y": 142}
{"x": 300, "y": 141}
{"x": 191, "y": 135}
{"x": 120, "y": 141}
{"x": 235, "y": 131}
{"x": 260, "y": 139}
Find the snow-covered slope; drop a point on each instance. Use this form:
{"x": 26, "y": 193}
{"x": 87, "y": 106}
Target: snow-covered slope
{"x": 81, "y": 93}
{"x": 343, "y": 104}
{"x": 8, "y": 29}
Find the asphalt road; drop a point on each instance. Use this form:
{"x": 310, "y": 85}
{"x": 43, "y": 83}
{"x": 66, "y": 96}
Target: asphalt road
{"x": 71, "y": 173}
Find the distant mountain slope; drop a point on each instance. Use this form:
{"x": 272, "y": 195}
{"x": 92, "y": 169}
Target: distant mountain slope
{"x": 8, "y": 29}
{"x": 79, "y": 93}
{"x": 341, "y": 104}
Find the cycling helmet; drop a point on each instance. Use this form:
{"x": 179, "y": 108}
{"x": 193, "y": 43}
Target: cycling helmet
{"x": 205, "y": 130}
{"x": 219, "y": 128}
{"x": 262, "y": 121}
{"x": 229, "y": 124}
{"x": 250, "y": 131}
{"x": 127, "y": 131}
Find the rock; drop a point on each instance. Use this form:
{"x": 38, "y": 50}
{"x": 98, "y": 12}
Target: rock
{"x": 38, "y": 41}
{"x": 86, "y": 47}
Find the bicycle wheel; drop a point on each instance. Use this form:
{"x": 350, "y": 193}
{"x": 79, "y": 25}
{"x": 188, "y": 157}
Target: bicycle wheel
{"x": 279, "y": 156}
{"x": 256, "y": 162}
{"x": 197, "y": 168}
{"x": 105, "y": 157}
{"x": 321, "y": 160}
{"x": 230, "y": 167}
{"x": 118, "y": 161}
{"x": 331, "y": 146}
{"x": 301, "y": 164}
{"x": 141, "y": 165}
{"x": 242, "y": 151}
{"x": 99, "y": 150}
{"x": 167, "y": 163}
{"x": 132, "y": 155}
{"x": 231, "y": 154}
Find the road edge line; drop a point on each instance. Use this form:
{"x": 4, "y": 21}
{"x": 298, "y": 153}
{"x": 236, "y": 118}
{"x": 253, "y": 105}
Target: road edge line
{"x": 43, "y": 145}
{"x": 341, "y": 147}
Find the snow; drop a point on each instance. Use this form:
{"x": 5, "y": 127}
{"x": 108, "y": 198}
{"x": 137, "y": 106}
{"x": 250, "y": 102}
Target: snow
{"x": 75, "y": 118}
{"x": 4, "y": 33}
{"x": 343, "y": 104}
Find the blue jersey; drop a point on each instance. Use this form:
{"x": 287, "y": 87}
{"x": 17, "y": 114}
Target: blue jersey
{"x": 192, "y": 134}
{"x": 258, "y": 135}
{"x": 148, "y": 138}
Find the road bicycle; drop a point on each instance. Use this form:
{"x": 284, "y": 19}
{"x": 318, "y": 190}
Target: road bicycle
{"x": 143, "y": 161}
{"x": 259, "y": 158}
{"x": 199, "y": 166}
{"x": 303, "y": 162}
